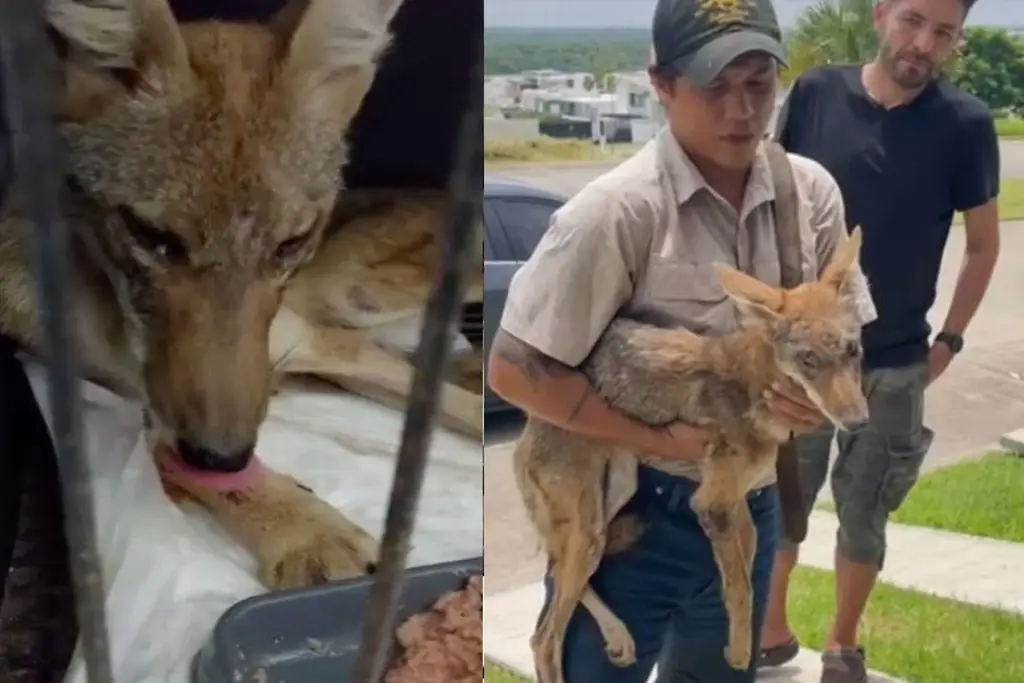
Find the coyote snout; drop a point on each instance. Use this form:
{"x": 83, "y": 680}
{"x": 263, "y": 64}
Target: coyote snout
{"x": 207, "y": 368}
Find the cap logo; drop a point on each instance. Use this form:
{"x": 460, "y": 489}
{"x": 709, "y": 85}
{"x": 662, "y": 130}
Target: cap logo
{"x": 724, "y": 12}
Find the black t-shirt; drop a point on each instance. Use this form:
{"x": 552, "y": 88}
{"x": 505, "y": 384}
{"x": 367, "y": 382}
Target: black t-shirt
{"x": 903, "y": 173}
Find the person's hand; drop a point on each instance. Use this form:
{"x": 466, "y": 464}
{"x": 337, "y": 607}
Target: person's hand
{"x": 679, "y": 441}
{"x": 790, "y": 405}
{"x": 939, "y": 358}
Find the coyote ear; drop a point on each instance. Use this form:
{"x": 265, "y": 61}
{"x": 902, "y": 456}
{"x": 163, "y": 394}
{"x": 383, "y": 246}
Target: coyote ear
{"x": 114, "y": 44}
{"x": 329, "y": 53}
{"x": 844, "y": 260}
{"x": 754, "y": 298}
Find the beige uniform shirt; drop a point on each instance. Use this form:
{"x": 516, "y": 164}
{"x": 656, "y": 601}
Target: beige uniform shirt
{"x": 646, "y": 234}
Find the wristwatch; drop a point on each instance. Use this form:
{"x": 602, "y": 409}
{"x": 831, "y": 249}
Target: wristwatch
{"x": 955, "y": 342}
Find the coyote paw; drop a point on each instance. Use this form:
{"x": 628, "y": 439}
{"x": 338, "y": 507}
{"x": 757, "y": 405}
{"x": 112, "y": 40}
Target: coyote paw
{"x": 311, "y": 549}
{"x": 619, "y": 645}
{"x": 544, "y": 660}
{"x": 737, "y": 655}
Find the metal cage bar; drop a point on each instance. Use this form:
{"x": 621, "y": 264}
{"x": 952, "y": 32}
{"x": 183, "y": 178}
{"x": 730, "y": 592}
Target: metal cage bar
{"x": 29, "y": 79}
{"x": 443, "y": 308}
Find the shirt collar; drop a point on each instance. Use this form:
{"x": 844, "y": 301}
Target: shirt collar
{"x": 687, "y": 180}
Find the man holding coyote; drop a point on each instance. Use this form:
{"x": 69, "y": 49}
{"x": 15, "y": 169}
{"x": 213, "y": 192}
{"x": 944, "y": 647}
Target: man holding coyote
{"x": 654, "y": 233}
{"x": 647, "y": 235}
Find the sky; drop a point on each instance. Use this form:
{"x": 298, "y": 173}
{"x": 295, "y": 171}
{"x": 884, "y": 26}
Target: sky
{"x": 637, "y": 13}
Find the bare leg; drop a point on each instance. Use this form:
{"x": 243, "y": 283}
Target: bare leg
{"x": 854, "y": 582}
{"x": 776, "y": 629}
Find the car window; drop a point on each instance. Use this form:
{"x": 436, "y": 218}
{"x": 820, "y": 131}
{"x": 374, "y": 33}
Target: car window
{"x": 525, "y": 222}
{"x": 488, "y": 249}
{"x": 495, "y": 243}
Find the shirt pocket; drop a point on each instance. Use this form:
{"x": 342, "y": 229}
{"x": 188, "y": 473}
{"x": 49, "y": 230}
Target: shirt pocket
{"x": 690, "y": 293}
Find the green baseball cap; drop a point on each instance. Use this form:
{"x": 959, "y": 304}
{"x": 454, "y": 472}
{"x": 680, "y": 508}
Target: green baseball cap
{"x": 699, "y": 38}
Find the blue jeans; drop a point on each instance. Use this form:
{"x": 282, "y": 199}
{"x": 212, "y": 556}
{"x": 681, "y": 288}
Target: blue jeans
{"x": 667, "y": 592}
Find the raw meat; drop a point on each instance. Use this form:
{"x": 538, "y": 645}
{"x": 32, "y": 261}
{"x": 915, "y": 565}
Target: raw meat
{"x": 444, "y": 644}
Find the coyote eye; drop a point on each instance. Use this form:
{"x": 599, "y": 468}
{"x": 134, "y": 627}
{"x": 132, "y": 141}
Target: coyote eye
{"x": 291, "y": 247}
{"x": 287, "y": 250}
{"x": 807, "y": 359}
{"x": 164, "y": 244}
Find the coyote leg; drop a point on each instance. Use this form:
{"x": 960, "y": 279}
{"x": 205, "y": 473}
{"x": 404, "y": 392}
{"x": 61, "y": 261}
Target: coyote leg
{"x": 581, "y": 550}
{"x": 298, "y": 539}
{"x": 619, "y": 644}
{"x": 723, "y": 514}
{"x": 348, "y": 358}
{"x": 569, "y": 577}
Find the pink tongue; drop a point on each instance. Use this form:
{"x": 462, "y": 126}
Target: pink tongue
{"x": 176, "y": 471}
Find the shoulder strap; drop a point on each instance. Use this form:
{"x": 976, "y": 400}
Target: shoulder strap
{"x": 787, "y": 239}
{"x": 787, "y": 217}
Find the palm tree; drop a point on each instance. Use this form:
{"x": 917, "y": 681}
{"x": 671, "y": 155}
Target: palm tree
{"x": 832, "y": 32}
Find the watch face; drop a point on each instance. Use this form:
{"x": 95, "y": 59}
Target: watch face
{"x": 953, "y": 341}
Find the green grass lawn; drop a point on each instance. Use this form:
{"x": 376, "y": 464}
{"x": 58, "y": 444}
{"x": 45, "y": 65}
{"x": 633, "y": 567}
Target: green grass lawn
{"x": 1010, "y": 128}
{"x": 982, "y": 497}
{"x": 1011, "y": 201}
{"x": 499, "y": 674}
{"x": 545, "y": 150}
{"x": 915, "y": 636}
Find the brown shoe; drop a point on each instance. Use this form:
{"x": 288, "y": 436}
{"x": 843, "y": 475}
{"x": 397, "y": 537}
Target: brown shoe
{"x": 779, "y": 654}
{"x": 846, "y": 665}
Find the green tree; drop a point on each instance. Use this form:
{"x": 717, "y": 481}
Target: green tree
{"x": 831, "y": 32}
{"x": 990, "y": 65}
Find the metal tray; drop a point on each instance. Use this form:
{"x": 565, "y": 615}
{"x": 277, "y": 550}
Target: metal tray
{"x": 312, "y": 635}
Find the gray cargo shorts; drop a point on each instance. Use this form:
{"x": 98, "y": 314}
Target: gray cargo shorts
{"x": 877, "y": 464}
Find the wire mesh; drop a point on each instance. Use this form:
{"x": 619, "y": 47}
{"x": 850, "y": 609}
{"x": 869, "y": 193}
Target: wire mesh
{"x": 29, "y": 81}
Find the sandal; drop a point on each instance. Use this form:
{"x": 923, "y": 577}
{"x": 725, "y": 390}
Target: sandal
{"x": 778, "y": 654}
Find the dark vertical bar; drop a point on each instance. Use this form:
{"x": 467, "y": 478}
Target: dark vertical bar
{"x": 29, "y": 79}
{"x": 442, "y": 314}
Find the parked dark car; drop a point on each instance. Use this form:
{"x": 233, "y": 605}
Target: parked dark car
{"x": 516, "y": 215}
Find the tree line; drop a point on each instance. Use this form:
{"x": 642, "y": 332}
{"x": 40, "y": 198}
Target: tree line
{"x": 988, "y": 64}
{"x": 594, "y": 51}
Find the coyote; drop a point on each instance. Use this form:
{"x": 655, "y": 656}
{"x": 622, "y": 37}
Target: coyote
{"x": 660, "y": 375}
{"x": 211, "y": 255}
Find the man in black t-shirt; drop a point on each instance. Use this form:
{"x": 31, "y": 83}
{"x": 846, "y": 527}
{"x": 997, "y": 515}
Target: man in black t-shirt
{"x": 908, "y": 150}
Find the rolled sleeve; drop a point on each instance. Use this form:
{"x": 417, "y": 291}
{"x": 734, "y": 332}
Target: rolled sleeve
{"x": 828, "y": 221}
{"x": 582, "y": 272}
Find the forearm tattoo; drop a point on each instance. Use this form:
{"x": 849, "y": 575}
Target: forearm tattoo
{"x": 534, "y": 365}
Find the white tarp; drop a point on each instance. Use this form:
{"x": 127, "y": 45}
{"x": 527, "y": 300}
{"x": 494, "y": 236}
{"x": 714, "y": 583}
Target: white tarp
{"x": 170, "y": 573}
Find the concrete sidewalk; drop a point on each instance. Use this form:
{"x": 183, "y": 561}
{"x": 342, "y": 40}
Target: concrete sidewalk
{"x": 969, "y": 569}
{"x": 509, "y": 618}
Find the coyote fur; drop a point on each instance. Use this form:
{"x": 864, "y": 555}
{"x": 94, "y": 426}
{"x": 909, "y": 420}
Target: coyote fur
{"x": 660, "y": 375}
{"x": 210, "y": 254}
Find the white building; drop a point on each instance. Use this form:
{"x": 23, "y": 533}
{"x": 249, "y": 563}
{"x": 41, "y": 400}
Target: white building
{"x": 547, "y": 79}
{"x": 562, "y": 103}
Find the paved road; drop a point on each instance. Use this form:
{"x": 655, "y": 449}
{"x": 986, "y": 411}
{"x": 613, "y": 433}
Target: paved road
{"x": 570, "y": 178}
{"x": 980, "y": 398}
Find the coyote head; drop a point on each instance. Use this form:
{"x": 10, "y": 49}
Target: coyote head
{"x": 814, "y": 331}
{"x": 209, "y": 156}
